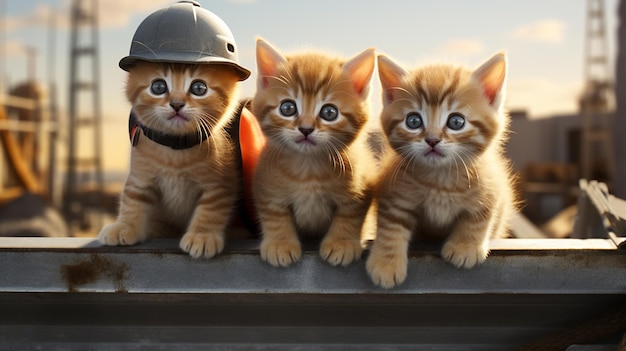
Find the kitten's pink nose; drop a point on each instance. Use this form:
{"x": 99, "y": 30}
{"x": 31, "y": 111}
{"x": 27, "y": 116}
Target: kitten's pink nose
{"x": 306, "y": 131}
{"x": 177, "y": 105}
{"x": 432, "y": 141}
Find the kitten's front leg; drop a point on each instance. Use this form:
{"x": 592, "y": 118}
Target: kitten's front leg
{"x": 388, "y": 256}
{"x": 128, "y": 228}
{"x": 468, "y": 245}
{"x": 342, "y": 243}
{"x": 205, "y": 233}
{"x": 280, "y": 245}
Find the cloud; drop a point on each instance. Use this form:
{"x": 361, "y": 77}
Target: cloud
{"x": 547, "y": 31}
{"x": 542, "y": 97}
{"x": 461, "y": 47}
{"x": 111, "y": 14}
{"x": 40, "y": 16}
{"x": 12, "y": 48}
{"x": 118, "y": 13}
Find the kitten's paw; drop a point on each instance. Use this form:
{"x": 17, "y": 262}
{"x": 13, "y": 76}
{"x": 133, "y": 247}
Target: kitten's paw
{"x": 118, "y": 234}
{"x": 281, "y": 252}
{"x": 464, "y": 255}
{"x": 340, "y": 251}
{"x": 387, "y": 271}
{"x": 202, "y": 244}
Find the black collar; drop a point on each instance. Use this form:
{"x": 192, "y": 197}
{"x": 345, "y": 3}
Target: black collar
{"x": 176, "y": 142}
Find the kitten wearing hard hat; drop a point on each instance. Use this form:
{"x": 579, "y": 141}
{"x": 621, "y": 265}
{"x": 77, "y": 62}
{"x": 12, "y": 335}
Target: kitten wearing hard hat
{"x": 183, "y": 177}
{"x": 314, "y": 176}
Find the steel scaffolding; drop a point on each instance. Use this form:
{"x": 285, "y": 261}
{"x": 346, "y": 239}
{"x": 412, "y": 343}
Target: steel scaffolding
{"x": 84, "y": 161}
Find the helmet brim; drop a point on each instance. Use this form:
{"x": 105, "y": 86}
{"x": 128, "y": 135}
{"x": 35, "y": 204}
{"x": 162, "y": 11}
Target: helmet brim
{"x": 128, "y": 62}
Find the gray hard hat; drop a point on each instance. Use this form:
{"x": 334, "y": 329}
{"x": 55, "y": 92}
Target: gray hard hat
{"x": 184, "y": 33}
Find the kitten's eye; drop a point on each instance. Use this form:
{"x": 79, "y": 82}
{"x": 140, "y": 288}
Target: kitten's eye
{"x": 414, "y": 121}
{"x": 288, "y": 108}
{"x": 158, "y": 87}
{"x": 456, "y": 121}
{"x": 198, "y": 88}
{"x": 329, "y": 113}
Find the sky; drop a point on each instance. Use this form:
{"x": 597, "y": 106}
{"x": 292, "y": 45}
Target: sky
{"x": 544, "y": 41}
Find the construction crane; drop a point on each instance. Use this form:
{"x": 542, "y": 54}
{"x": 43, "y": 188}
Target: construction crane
{"x": 84, "y": 184}
{"x": 598, "y": 97}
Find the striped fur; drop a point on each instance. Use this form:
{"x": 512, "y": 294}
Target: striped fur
{"x": 172, "y": 192}
{"x": 460, "y": 189}
{"x": 316, "y": 185}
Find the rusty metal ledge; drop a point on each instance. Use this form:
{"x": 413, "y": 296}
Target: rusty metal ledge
{"x": 515, "y": 266}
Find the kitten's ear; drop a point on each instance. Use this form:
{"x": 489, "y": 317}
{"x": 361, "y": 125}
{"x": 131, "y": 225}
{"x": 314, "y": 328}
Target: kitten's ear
{"x": 268, "y": 59}
{"x": 492, "y": 75}
{"x": 360, "y": 69}
{"x": 391, "y": 75}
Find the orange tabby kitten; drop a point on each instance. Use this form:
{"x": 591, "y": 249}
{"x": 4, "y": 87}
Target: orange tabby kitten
{"x": 179, "y": 188}
{"x": 312, "y": 179}
{"x": 448, "y": 177}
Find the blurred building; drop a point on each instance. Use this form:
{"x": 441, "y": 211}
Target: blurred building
{"x": 546, "y": 155}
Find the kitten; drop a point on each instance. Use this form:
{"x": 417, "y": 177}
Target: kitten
{"x": 313, "y": 178}
{"x": 180, "y": 188}
{"x": 448, "y": 177}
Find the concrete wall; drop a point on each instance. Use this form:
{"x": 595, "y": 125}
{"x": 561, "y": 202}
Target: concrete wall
{"x": 530, "y": 141}
{"x": 546, "y": 140}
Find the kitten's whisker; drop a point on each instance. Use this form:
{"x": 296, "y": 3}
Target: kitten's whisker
{"x": 342, "y": 161}
{"x": 471, "y": 159}
{"x": 206, "y": 123}
{"x": 336, "y": 84}
{"x": 396, "y": 169}
{"x": 197, "y": 125}
{"x": 467, "y": 172}
{"x": 289, "y": 78}
{"x": 336, "y": 158}
{"x": 407, "y": 157}
{"x": 342, "y": 154}
{"x": 394, "y": 174}
{"x": 280, "y": 79}
{"x": 406, "y": 161}
{"x": 403, "y": 90}
{"x": 456, "y": 166}
{"x": 279, "y": 145}
{"x": 404, "y": 99}
{"x": 414, "y": 156}
{"x": 461, "y": 92}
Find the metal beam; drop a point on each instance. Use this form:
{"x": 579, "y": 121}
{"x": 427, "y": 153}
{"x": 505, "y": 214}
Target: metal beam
{"x": 75, "y": 294}
{"x": 544, "y": 266}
